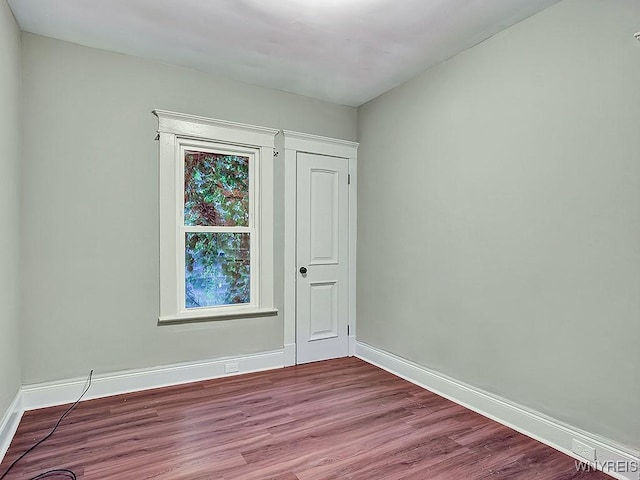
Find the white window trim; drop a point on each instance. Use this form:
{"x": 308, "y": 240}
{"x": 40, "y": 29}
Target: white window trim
{"x": 174, "y": 131}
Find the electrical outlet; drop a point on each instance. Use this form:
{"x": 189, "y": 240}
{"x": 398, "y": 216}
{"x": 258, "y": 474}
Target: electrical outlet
{"x": 583, "y": 450}
{"x": 231, "y": 367}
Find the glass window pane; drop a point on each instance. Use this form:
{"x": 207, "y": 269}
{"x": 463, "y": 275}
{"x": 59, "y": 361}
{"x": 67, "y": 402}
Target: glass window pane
{"x": 217, "y": 270}
{"x": 216, "y": 189}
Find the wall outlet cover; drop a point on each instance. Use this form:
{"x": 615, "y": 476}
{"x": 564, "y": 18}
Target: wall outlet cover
{"x": 231, "y": 367}
{"x": 582, "y": 449}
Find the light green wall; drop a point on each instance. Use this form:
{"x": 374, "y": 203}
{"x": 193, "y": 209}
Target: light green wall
{"x": 499, "y": 217}
{"x": 9, "y": 207}
{"x": 90, "y": 213}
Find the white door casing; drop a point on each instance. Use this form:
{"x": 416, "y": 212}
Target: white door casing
{"x": 322, "y": 254}
{"x": 288, "y": 146}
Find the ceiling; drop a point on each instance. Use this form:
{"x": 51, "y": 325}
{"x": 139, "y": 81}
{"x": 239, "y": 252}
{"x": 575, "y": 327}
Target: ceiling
{"x": 342, "y": 51}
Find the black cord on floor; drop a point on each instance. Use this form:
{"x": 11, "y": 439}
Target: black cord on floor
{"x": 57, "y": 473}
{"x": 61, "y": 471}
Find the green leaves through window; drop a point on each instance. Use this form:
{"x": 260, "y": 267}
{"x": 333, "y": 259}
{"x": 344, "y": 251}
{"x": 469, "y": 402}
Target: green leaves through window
{"x": 216, "y": 189}
{"x": 217, "y": 228}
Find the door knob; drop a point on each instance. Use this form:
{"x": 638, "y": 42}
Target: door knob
{"x": 303, "y": 270}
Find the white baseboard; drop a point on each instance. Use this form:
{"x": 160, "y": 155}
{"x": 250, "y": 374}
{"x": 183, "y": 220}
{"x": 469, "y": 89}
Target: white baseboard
{"x": 289, "y": 354}
{"x": 611, "y": 457}
{"x": 67, "y": 391}
{"x": 352, "y": 345}
{"x": 9, "y": 424}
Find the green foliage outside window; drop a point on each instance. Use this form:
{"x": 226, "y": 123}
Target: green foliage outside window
{"x": 216, "y": 190}
{"x": 217, "y": 265}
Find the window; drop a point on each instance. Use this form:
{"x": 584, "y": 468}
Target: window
{"x": 216, "y": 233}
{"x": 217, "y": 225}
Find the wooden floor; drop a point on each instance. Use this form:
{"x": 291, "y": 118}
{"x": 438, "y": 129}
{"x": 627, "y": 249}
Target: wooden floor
{"x": 339, "y": 419}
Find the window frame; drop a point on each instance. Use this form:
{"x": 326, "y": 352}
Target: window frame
{"x": 184, "y": 145}
{"x": 176, "y": 132}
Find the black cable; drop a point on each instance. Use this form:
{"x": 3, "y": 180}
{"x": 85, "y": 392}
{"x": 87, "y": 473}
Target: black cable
{"x": 30, "y": 449}
{"x": 58, "y": 472}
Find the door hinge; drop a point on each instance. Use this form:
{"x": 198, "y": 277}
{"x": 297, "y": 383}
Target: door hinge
{"x": 347, "y": 330}
{"x": 349, "y": 179}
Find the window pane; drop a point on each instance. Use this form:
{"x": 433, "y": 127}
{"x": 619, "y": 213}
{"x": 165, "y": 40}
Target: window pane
{"x": 217, "y": 270}
{"x": 216, "y": 189}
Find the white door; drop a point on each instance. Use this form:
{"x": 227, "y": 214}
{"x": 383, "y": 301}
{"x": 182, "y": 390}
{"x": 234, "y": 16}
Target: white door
{"x": 322, "y": 257}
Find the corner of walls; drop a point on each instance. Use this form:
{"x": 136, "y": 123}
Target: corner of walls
{"x": 10, "y": 205}
{"x": 9, "y": 422}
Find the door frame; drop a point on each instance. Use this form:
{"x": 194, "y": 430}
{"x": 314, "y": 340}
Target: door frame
{"x": 288, "y": 144}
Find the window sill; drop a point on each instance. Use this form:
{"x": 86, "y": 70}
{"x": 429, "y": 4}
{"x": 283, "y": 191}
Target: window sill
{"x": 213, "y": 316}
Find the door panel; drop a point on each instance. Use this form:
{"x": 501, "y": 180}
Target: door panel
{"x": 323, "y": 310}
{"x": 324, "y": 218}
{"x": 322, "y": 249}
